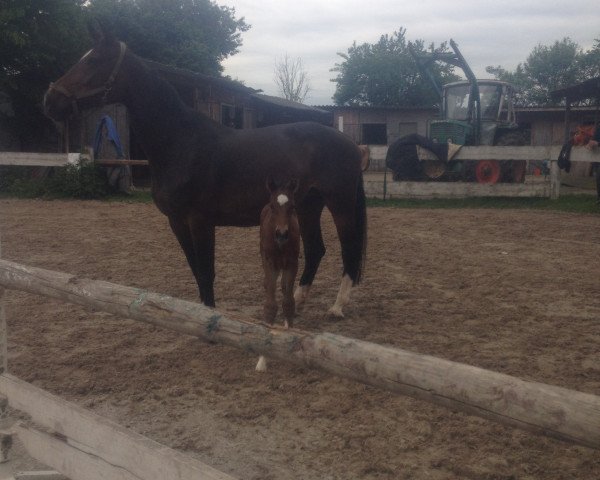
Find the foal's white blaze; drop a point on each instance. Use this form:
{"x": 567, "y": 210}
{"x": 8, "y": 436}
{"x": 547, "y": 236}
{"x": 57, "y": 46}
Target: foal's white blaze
{"x": 343, "y": 297}
{"x": 261, "y": 366}
{"x": 282, "y": 199}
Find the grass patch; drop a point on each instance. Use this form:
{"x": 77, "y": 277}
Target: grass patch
{"x": 566, "y": 203}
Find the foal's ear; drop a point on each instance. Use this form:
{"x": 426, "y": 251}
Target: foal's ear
{"x": 271, "y": 184}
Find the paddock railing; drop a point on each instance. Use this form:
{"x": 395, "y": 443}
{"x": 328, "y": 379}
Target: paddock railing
{"x": 536, "y": 407}
{"x": 378, "y": 182}
{"x": 34, "y": 159}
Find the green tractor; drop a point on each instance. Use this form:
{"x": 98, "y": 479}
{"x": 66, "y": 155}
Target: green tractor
{"x": 473, "y": 112}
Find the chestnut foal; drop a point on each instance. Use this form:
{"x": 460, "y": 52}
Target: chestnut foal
{"x": 279, "y": 250}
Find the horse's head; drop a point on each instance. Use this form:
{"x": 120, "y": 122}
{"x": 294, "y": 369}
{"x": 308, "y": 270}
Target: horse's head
{"x": 283, "y": 210}
{"x": 92, "y": 81}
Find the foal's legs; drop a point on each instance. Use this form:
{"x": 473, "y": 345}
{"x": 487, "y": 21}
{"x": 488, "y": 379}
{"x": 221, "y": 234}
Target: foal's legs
{"x": 288, "y": 277}
{"x": 270, "y": 308}
{"x": 309, "y": 218}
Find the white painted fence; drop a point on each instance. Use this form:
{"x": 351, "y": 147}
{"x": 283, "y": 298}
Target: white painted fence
{"x": 379, "y": 183}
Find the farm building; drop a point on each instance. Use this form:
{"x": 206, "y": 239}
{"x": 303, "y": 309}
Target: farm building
{"x": 384, "y": 125}
{"x": 381, "y": 125}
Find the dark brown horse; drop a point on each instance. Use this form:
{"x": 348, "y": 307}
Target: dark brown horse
{"x": 206, "y": 175}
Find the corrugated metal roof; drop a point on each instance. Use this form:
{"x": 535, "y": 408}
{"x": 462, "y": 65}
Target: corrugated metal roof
{"x": 282, "y": 102}
{"x": 581, "y": 91}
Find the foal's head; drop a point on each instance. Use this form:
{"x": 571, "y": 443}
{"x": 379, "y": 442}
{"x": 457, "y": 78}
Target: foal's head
{"x": 95, "y": 79}
{"x": 282, "y": 208}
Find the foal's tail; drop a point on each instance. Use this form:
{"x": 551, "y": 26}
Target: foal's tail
{"x": 360, "y": 212}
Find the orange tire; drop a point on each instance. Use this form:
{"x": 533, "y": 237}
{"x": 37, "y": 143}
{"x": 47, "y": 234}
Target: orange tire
{"x": 487, "y": 171}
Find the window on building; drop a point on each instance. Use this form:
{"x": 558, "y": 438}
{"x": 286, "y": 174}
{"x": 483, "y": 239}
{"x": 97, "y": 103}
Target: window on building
{"x": 374, "y": 134}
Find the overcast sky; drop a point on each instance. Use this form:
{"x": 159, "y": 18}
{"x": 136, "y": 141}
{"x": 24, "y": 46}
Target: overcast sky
{"x": 487, "y": 32}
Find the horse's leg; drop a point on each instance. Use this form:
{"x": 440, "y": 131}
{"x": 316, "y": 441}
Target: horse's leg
{"x": 287, "y": 287}
{"x": 309, "y": 218}
{"x": 350, "y": 222}
{"x": 203, "y": 236}
{"x": 184, "y": 237}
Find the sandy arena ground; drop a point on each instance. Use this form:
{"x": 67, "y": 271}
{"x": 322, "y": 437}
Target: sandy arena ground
{"x": 517, "y": 292}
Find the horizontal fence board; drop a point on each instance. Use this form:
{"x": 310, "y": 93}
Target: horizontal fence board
{"x": 32, "y": 159}
{"x": 69, "y": 460}
{"x": 515, "y": 153}
{"x": 428, "y": 190}
{"x": 543, "y": 409}
{"x": 29, "y": 159}
{"x": 98, "y": 436}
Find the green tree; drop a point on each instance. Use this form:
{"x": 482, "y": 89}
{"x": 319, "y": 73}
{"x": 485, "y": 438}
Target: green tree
{"x": 39, "y": 40}
{"x": 384, "y": 74}
{"x": 192, "y": 34}
{"x": 590, "y": 62}
{"x": 550, "y": 67}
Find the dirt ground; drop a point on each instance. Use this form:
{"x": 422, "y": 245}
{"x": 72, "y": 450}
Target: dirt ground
{"x": 512, "y": 291}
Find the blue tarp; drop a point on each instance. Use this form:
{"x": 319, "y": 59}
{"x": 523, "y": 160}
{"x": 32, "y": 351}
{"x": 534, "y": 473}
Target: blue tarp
{"x": 112, "y": 135}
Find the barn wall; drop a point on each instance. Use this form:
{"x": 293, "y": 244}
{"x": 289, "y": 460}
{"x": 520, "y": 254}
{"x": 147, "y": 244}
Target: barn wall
{"x": 548, "y": 128}
{"x": 398, "y": 122}
{"x": 82, "y": 131}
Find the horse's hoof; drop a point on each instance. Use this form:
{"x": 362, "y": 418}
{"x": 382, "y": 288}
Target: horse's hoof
{"x": 335, "y": 312}
{"x": 300, "y": 296}
{"x": 261, "y": 366}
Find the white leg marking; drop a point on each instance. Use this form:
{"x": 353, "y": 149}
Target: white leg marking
{"x": 300, "y": 295}
{"x": 261, "y": 366}
{"x": 286, "y": 324}
{"x": 343, "y": 297}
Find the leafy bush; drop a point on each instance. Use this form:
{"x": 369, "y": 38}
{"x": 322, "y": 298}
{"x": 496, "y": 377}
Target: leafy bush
{"x": 81, "y": 180}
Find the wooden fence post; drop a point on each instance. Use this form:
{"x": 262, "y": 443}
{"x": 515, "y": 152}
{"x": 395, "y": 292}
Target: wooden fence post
{"x": 554, "y": 179}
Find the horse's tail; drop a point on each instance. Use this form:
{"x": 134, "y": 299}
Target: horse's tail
{"x": 360, "y": 213}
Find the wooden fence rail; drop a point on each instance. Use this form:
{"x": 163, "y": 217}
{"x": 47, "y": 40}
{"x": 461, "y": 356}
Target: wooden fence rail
{"x": 84, "y": 445}
{"x": 382, "y": 187}
{"x": 33, "y": 159}
{"x": 543, "y": 409}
